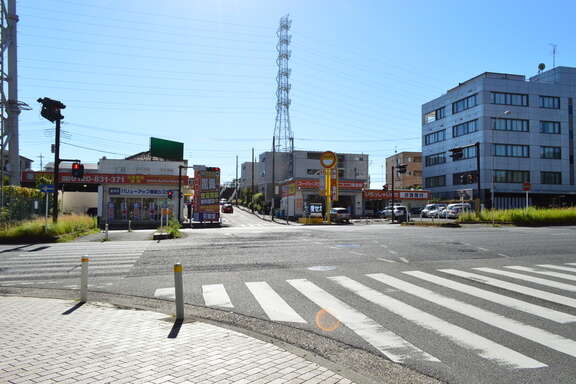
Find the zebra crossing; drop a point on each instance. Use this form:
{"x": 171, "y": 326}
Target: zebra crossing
{"x": 532, "y": 304}
{"x": 48, "y": 263}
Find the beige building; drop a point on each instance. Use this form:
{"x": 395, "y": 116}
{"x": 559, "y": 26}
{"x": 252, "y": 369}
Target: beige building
{"x": 413, "y": 176}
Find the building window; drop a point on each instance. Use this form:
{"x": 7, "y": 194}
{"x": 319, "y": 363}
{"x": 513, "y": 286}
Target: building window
{"x": 511, "y": 150}
{"x": 550, "y": 127}
{"x": 464, "y": 104}
{"x": 417, "y": 173}
{"x": 313, "y": 172}
{"x": 465, "y": 128}
{"x": 464, "y": 178}
{"x": 517, "y": 125}
{"x": 506, "y": 176}
{"x": 435, "y": 137}
{"x": 550, "y": 102}
{"x": 434, "y": 115}
{"x": 468, "y": 153}
{"x": 313, "y": 155}
{"x": 509, "y": 98}
{"x": 437, "y": 158}
{"x": 435, "y": 181}
{"x": 417, "y": 159}
{"x": 551, "y": 152}
{"x": 550, "y": 177}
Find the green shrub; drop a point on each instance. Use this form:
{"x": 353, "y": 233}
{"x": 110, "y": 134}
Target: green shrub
{"x": 523, "y": 217}
{"x": 172, "y": 228}
{"x": 34, "y": 231}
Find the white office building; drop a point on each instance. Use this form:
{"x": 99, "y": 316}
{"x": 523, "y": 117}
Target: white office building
{"x": 525, "y": 134}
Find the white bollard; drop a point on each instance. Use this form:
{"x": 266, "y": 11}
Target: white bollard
{"x": 129, "y": 225}
{"x": 178, "y": 291}
{"x": 84, "y": 280}
{"x": 106, "y": 231}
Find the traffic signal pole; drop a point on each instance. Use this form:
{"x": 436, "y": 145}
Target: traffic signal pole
{"x": 56, "y": 172}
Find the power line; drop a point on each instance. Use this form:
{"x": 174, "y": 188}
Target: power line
{"x": 93, "y": 149}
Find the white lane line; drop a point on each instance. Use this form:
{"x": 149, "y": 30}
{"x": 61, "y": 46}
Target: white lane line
{"x": 392, "y": 252}
{"x": 215, "y": 295}
{"x": 390, "y": 344}
{"x": 165, "y": 293}
{"x": 482, "y": 249}
{"x": 275, "y": 307}
{"x": 552, "y": 297}
{"x": 531, "y": 279}
{"x": 64, "y": 263}
{"x": 537, "y": 335}
{"x": 404, "y": 260}
{"x": 462, "y": 337}
{"x": 386, "y": 260}
{"x": 357, "y": 253}
{"x": 519, "y": 305}
{"x": 558, "y": 267}
{"x": 545, "y": 273}
{"x": 503, "y": 255}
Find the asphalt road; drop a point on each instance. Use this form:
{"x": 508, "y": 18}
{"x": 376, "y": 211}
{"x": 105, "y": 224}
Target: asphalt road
{"x": 413, "y": 294}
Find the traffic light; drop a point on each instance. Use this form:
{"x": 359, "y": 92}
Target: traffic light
{"x": 170, "y": 195}
{"x": 401, "y": 168}
{"x": 77, "y": 170}
{"x": 51, "y": 109}
{"x": 385, "y": 187}
{"x": 457, "y": 154}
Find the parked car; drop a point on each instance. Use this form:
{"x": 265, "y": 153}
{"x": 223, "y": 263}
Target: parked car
{"x": 401, "y": 213}
{"x": 387, "y": 212}
{"x": 339, "y": 215}
{"x": 429, "y": 209}
{"x": 454, "y": 210}
{"x": 227, "y": 208}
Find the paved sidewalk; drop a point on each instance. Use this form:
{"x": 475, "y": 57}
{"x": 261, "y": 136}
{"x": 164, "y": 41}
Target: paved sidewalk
{"x": 98, "y": 343}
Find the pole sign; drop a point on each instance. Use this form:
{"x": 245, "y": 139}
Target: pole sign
{"x": 328, "y": 159}
{"x": 47, "y": 188}
{"x": 526, "y": 186}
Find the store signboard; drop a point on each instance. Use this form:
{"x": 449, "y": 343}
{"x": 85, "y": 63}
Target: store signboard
{"x": 121, "y": 191}
{"x": 206, "y": 194}
{"x": 166, "y": 149}
{"x": 106, "y": 178}
{"x": 376, "y": 194}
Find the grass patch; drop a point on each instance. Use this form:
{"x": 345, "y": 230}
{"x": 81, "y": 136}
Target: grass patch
{"x": 173, "y": 229}
{"x": 33, "y": 231}
{"x": 532, "y": 217}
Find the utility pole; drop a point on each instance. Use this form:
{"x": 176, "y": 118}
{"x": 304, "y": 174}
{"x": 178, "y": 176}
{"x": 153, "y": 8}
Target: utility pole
{"x": 477, "y": 145}
{"x": 393, "y": 171}
{"x": 252, "y": 188}
{"x": 236, "y": 194}
{"x": 41, "y": 165}
{"x": 273, "y": 178}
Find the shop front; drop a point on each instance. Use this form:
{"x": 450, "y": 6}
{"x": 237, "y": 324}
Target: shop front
{"x": 375, "y": 199}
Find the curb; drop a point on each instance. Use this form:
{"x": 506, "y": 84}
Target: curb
{"x": 260, "y": 217}
{"x": 346, "y": 360}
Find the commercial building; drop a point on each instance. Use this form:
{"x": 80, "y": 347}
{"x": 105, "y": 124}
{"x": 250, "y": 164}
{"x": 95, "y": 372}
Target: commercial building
{"x": 413, "y": 176}
{"x": 524, "y": 130}
{"x": 298, "y": 175}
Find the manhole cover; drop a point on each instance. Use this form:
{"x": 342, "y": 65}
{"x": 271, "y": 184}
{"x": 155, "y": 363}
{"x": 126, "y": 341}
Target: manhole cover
{"x": 322, "y": 268}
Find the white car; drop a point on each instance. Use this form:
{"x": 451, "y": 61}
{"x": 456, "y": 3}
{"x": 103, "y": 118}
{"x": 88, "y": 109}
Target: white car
{"x": 431, "y": 209}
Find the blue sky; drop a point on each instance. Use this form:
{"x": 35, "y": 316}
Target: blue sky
{"x": 204, "y": 72}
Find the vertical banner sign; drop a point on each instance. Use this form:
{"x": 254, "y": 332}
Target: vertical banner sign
{"x": 206, "y": 194}
{"x": 328, "y": 161}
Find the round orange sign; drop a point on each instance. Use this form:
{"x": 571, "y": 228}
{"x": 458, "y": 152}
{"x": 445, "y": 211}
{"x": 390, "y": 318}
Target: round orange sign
{"x": 328, "y": 159}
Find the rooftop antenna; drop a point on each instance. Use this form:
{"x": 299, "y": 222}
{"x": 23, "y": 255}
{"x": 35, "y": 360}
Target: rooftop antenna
{"x": 541, "y": 67}
{"x": 554, "y": 52}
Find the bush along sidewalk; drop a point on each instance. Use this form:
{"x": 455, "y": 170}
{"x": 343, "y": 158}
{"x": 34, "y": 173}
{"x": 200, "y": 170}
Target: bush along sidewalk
{"x": 172, "y": 229}
{"x": 533, "y": 217}
{"x": 67, "y": 228}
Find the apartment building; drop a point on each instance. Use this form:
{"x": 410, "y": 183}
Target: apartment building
{"x": 413, "y": 176}
{"x": 524, "y": 130}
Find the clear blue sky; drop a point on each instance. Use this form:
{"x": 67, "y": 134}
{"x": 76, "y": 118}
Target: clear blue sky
{"x": 204, "y": 72}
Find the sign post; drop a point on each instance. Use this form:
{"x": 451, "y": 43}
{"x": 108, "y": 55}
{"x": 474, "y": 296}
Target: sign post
{"x": 328, "y": 161}
{"x": 47, "y": 189}
{"x": 526, "y": 186}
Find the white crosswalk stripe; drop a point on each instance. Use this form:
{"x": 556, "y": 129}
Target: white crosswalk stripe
{"x": 552, "y": 297}
{"x": 558, "y": 267}
{"x": 564, "y": 276}
{"x": 531, "y": 279}
{"x": 275, "y": 307}
{"x": 529, "y": 332}
{"x": 215, "y": 295}
{"x": 485, "y": 348}
{"x": 519, "y": 305}
{"x": 390, "y": 344}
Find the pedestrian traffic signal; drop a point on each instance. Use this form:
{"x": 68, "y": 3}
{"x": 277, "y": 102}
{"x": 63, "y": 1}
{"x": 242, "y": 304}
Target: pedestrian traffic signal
{"x": 78, "y": 170}
{"x": 170, "y": 195}
{"x": 457, "y": 154}
{"x": 51, "y": 109}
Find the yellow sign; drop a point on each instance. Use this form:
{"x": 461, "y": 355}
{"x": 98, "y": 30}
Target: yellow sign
{"x": 328, "y": 159}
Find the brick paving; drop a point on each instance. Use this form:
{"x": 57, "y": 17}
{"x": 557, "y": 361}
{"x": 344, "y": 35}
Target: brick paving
{"x": 101, "y": 344}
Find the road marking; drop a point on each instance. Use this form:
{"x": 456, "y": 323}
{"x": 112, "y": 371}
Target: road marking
{"x": 482, "y": 249}
{"x": 462, "y": 337}
{"x": 392, "y": 252}
{"x": 545, "y": 273}
{"x": 519, "y": 305}
{"x": 390, "y": 344}
{"x": 531, "y": 279}
{"x": 552, "y": 297}
{"x": 165, "y": 293}
{"x": 558, "y": 267}
{"x": 386, "y": 260}
{"x": 215, "y": 296}
{"x": 503, "y": 255}
{"x": 275, "y": 307}
{"x": 357, "y": 253}
{"x": 384, "y": 245}
{"x": 404, "y": 260}
{"x": 537, "y": 335}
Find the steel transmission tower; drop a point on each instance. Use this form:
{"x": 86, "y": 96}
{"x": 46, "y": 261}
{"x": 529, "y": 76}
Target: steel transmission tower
{"x": 10, "y": 107}
{"x": 283, "y": 137}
